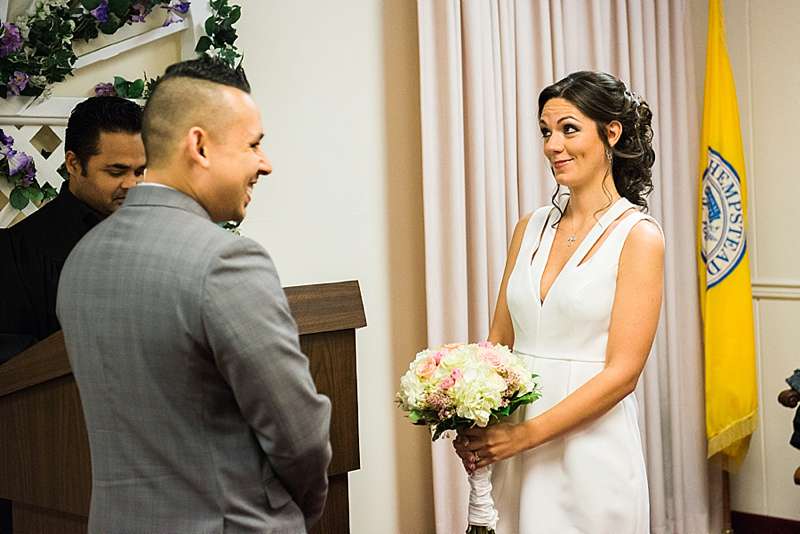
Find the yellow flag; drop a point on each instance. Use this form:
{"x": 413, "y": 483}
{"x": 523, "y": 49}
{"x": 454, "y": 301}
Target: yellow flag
{"x": 725, "y": 292}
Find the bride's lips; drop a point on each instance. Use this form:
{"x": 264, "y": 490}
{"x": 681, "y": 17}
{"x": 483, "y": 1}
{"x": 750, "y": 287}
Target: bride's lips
{"x": 561, "y": 163}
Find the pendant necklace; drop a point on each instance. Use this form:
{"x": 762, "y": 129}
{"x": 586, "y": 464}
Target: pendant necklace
{"x": 571, "y": 238}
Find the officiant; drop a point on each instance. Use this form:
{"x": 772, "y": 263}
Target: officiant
{"x": 104, "y": 158}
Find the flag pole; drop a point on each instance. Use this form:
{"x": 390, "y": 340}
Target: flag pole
{"x": 727, "y": 525}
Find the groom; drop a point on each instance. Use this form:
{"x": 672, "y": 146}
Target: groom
{"x": 201, "y": 412}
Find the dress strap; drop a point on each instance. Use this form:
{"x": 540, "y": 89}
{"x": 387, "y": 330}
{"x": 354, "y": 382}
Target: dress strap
{"x": 618, "y": 208}
{"x": 533, "y": 232}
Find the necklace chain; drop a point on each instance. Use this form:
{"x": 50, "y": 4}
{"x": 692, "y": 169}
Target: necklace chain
{"x": 573, "y": 236}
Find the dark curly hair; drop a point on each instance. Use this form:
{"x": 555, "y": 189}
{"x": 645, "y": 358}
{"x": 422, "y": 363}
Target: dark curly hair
{"x": 603, "y": 98}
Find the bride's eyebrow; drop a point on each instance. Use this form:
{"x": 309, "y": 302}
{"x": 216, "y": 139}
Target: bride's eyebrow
{"x": 543, "y": 124}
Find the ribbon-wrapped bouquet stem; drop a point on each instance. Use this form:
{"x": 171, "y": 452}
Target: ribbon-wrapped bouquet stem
{"x": 459, "y": 386}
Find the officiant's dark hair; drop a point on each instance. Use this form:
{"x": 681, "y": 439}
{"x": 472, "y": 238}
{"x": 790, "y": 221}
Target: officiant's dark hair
{"x": 604, "y": 98}
{"x": 110, "y": 114}
{"x": 187, "y": 95}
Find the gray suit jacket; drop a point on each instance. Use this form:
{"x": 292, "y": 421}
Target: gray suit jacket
{"x": 201, "y": 411}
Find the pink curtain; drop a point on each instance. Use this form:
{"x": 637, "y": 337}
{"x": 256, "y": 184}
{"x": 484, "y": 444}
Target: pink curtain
{"x": 483, "y": 63}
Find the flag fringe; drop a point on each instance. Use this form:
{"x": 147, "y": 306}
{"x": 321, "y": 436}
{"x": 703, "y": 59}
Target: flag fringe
{"x": 732, "y": 433}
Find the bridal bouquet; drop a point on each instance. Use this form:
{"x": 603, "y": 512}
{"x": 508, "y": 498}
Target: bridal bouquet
{"x": 459, "y": 386}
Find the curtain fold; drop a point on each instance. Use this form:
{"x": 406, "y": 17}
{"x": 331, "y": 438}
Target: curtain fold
{"x": 483, "y": 63}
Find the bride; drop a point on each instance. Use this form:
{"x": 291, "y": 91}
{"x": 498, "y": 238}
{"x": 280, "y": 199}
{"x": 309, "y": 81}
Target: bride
{"x": 580, "y": 301}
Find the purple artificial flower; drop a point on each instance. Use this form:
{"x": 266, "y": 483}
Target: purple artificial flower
{"x": 6, "y": 140}
{"x": 172, "y": 18}
{"x": 7, "y": 152}
{"x": 101, "y": 12}
{"x": 139, "y": 12}
{"x": 17, "y": 83}
{"x": 179, "y": 7}
{"x": 176, "y": 10}
{"x": 105, "y": 89}
{"x": 11, "y": 41}
{"x": 20, "y": 162}
{"x": 6, "y": 144}
{"x": 28, "y": 174}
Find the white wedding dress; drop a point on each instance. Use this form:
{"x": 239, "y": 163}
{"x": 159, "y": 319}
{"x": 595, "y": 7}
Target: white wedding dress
{"x": 592, "y": 480}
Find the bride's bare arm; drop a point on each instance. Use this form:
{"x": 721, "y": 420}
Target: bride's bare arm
{"x": 502, "y": 331}
{"x": 634, "y": 319}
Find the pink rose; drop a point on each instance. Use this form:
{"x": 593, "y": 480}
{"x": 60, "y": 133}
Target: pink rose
{"x": 438, "y": 357}
{"x": 492, "y": 358}
{"x": 484, "y": 344}
{"x": 427, "y": 367}
{"x": 451, "y": 380}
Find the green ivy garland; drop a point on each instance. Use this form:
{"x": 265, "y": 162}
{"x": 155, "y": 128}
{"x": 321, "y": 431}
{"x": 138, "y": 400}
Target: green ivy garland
{"x": 218, "y": 42}
{"x": 36, "y": 51}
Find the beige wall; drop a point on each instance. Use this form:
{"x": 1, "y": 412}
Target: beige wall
{"x": 338, "y": 86}
{"x": 763, "y": 40}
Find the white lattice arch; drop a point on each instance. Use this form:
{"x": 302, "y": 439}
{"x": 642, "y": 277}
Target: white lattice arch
{"x": 38, "y": 125}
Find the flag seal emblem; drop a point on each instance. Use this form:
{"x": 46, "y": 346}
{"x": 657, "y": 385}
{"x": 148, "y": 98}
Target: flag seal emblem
{"x": 724, "y": 240}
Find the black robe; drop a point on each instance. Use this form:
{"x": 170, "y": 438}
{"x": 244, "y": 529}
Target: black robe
{"x": 32, "y": 253}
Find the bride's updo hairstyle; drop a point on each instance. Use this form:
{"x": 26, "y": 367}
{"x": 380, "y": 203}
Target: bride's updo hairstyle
{"x": 603, "y": 98}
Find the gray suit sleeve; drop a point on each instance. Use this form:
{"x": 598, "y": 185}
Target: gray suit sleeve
{"x": 255, "y": 344}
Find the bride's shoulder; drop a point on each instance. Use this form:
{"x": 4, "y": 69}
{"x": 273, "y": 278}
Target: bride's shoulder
{"x": 537, "y": 215}
{"x": 644, "y": 244}
{"x": 532, "y": 218}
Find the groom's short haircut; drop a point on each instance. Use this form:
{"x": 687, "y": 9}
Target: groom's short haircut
{"x": 187, "y": 95}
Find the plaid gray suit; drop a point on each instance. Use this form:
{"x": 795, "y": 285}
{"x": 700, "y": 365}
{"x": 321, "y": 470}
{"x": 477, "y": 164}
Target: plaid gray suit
{"x": 201, "y": 412}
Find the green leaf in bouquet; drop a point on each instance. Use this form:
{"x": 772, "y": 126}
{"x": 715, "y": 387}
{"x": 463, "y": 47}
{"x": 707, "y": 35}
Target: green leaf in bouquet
{"x": 415, "y": 416}
{"x": 451, "y": 423}
{"x": 514, "y": 403}
{"x": 18, "y": 198}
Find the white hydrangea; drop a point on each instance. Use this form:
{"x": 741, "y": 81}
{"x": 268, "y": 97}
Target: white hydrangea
{"x": 465, "y": 380}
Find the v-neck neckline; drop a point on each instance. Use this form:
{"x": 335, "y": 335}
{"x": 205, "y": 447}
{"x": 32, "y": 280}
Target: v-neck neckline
{"x": 612, "y": 213}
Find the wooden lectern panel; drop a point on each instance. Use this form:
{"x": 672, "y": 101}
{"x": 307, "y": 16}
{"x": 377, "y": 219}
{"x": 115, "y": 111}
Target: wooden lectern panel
{"x": 53, "y": 469}
{"x": 332, "y": 358}
{"x": 44, "y": 450}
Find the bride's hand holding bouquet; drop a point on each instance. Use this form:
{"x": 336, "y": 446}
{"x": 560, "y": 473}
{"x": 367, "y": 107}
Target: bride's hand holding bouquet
{"x": 462, "y": 386}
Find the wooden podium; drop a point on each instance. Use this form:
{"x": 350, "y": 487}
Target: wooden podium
{"x": 45, "y": 467}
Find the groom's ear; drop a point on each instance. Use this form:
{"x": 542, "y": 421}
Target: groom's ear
{"x": 196, "y": 144}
